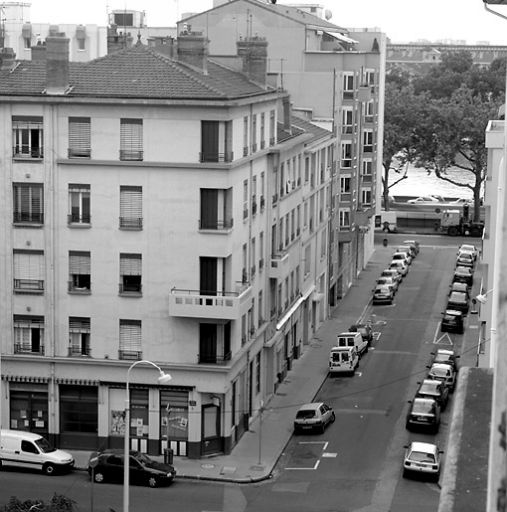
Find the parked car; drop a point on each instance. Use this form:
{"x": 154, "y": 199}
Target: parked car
{"x": 107, "y": 466}
{"x": 422, "y": 459}
{"x": 445, "y": 373}
{"x": 423, "y": 414}
{"x": 465, "y": 259}
{"x": 415, "y": 243}
{"x": 463, "y": 275}
{"x": 364, "y": 329}
{"x": 393, "y": 273}
{"x": 316, "y": 415}
{"x": 400, "y": 266}
{"x": 383, "y": 294}
{"x": 469, "y": 248}
{"x": 388, "y": 281}
{"x": 432, "y": 388}
{"x": 446, "y": 356}
{"x": 430, "y": 199}
{"x": 458, "y": 301}
{"x": 456, "y": 286}
{"x": 452, "y": 321}
{"x": 403, "y": 256}
{"x": 410, "y": 249}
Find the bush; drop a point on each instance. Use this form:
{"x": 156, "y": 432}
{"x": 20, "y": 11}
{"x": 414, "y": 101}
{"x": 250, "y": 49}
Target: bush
{"x": 58, "y": 503}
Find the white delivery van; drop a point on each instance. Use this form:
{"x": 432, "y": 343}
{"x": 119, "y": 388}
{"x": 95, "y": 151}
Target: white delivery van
{"x": 29, "y": 450}
{"x": 354, "y": 340}
{"x": 343, "y": 360}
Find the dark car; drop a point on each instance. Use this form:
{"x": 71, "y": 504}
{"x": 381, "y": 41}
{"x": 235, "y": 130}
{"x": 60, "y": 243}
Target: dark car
{"x": 463, "y": 275}
{"x": 432, "y": 388}
{"x": 452, "y": 321}
{"x": 458, "y": 301}
{"x": 446, "y": 356}
{"x": 365, "y": 330}
{"x": 107, "y": 466}
{"x": 424, "y": 414}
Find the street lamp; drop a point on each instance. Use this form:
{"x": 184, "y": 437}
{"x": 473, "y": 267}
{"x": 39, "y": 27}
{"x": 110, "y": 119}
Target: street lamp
{"x": 163, "y": 378}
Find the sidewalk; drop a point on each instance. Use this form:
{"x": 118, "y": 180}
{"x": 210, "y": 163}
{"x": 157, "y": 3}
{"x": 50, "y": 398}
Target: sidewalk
{"x": 247, "y": 462}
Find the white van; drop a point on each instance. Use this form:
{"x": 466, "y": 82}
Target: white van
{"x": 343, "y": 360}
{"x": 29, "y": 450}
{"x": 354, "y": 340}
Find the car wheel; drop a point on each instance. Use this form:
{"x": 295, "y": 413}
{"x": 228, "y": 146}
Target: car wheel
{"x": 49, "y": 469}
{"x": 152, "y": 481}
{"x": 322, "y": 428}
{"x": 333, "y": 417}
{"x": 98, "y": 477}
{"x": 405, "y": 473}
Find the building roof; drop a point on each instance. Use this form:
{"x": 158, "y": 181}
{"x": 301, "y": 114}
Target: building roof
{"x": 135, "y": 72}
{"x": 287, "y": 11}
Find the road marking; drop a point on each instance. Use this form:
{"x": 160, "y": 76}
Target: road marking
{"x": 325, "y": 443}
{"x": 383, "y": 412}
{"x": 445, "y": 339}
{"x": 358, "y": 374}
{"x": 329, "y": 455}
{"x": 397, "y": 352}
{"x": 307, "y": 469}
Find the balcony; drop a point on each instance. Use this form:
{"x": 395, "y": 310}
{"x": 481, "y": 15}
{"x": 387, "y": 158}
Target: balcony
{"x": 79, "y": 351}
{"x": 131, "y": 223}
{"x": 27, "y": 152}
{"x": 216, "y": 225}
{"x": 28, "y": 348}
{"x": 214, "y": 358}
{"x": 130, "y": 289}
{"x": 222, "y": 306}
{"x": 216, "y": 157}
{"x": 279, "y": 267}
{"x": 262, "y": 202}
{"x": 21, "y": 217}
{"x": 76, "y": 218}
{"x": 29, "y": 286}
{"x": 130, "y": 355}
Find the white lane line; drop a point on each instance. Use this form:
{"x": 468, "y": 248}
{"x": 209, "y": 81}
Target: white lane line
{"x": 329, "y": 455}
{"x": 305, "y": 469}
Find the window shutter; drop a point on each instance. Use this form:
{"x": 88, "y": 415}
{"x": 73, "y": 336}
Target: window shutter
{"x": 79, "y": 263}
{"x": 130, "y": 264}
{"x": 28, "y": 200}
{"x": 79, "y": 324}
{"x": 131, "y": 202}
{"x": 79, "y": 137}
{"x": 130, "y": 335}
{"x": 131, "y": 139}
{"x": 29, "y": 265}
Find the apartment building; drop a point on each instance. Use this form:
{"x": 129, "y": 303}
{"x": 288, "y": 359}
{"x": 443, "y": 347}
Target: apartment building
{"x": 335, "y": 77}
{"x": 162, "y": 209}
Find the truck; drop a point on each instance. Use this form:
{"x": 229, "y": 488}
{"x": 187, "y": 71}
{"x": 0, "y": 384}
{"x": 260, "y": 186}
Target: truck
{"x": 343, "y": 360}
{"x": 455, "y": 222}
{"x": 353, "y": 340}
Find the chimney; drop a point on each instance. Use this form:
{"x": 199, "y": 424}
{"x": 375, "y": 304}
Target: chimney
{"x": 39, "y": 52}
{"x": 287, "y": 114}
{"x": 193, "y": 50}
{"x": 7, "y": 58}
{"x": 57, "y": 63}
{"x": 254, "y": 54}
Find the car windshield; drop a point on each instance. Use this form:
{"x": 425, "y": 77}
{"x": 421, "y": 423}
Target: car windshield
{"x": 421, "y": 407}
{"x": 429, "y": 389}
{"x": 422, "y": 457}
{"x": 143, "y": 458}
{"x": 44, "y": 445}
{"x": 439, "y": 372}
{"x": 305, "y": 414}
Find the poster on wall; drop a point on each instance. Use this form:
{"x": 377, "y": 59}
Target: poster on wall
{"x": 117, "y": 423}
{"x": 175, "y": 423}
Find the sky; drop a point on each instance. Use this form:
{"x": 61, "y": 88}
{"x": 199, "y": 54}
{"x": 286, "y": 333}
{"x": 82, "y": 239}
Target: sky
{"x": 401, "y": 20}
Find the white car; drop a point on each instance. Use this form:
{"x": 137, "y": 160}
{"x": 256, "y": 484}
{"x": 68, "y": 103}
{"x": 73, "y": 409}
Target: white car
{"x": 422, "y": 459}
{"x": 316, "y": 415}
{"x": 388, "y": 281}
{"x": 445, "y": 373}
{"x": 462, "y": 201}
{"x": 427, "y": 200}
{"x": 392, "y": 273}
{"x": 468, "y": 248}
{"x": 403, "y": 256}
{"x": 400, "y": 266}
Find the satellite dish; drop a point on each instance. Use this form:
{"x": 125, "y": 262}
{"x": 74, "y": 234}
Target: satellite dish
{"x": 328, "y": 14}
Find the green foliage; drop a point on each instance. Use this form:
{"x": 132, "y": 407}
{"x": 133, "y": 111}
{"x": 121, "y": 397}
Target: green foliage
{"x": 58, "y": 503}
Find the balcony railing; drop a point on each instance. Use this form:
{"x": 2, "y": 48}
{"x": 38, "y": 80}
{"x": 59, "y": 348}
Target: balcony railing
{"x": 79, "y": 153}
{"x": 214, "y": 359}
{"x": 130, "y": 289}
{"x": 348, "y": 95}
{"x": 129, "y": 154}
{"x": 74, "y": 288}
{"x": 28, "y": 348}
{"x": 216, "y": 157}
{"x": 254, "y": 208}
{"x": 133, "y": 223}
{"x": 214, "y": 224}
{"x": 28, "y": 285}
{"x": 25, "y": 151}
{"x": 79, "y": 351}
{"x": 262, "y": 203}
{"x": 76, "y": 218}
{"x": 245, "y": 151}
{"x": 28, "y": 218}
{"x": 275, "y": 198}
{"x": 245, "y": 213}
{"x": 130, "y": 355}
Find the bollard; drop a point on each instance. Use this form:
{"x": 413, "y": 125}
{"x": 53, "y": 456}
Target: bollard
{"x": 385, "y": 242}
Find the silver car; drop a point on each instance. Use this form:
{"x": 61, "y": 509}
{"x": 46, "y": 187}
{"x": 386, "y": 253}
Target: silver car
{"x": 316, "y": 415}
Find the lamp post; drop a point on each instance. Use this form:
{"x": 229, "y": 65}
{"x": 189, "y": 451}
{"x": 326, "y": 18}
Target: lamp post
{"x": 163, "y": 378}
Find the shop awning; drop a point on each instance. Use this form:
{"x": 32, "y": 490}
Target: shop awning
{"x": 341, "y": 37}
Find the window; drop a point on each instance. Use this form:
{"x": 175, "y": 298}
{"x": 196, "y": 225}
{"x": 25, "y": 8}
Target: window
{"x": 28, "y": 202}
{"x": 28, "y": 334}
{"x": 79, "y": 204}
{"x": 345, "y": 184}
{"x": 260, "y": 306}
{"x": 308, "y": 259}
{"x": 263, "y": 130}
{"x": 27, "y": 136}
{"x": 369, "y": 111}
{"x": 368, "y": 141}
{"x": 216, "y": 209}
{"x": 245, "y": 199}
{"x": 28, "y": 271}
{"x": 79, "y": 137}
{"x": 79, "y": 336}
{"x": 81, "y": 44}
{"x": 209, "y": 141}
{"x": 254, "y": 133}
{"x": 369, "y": 77}
{"x": 346, "y": 155}
{"x": 367, "y": 167}
{"x": 307, "y": 169}
{"x": 79, "y": 272}
{"x": 298, "y": 220}
{"x": 258, "y": 373}
{"x": 271, "y": 127}
{"x": 245, "y": 136}
{"x": 348, "y": 85}
{"x": 130, "y": 274}
{"x": 244, "y": 273}
{"x": 79, "y": 409}
{"x": 261, "y": 192}
{"x": 253, "y": 256}
{"x": 344, "y": 218}
{"x": 131, "y": 139}
{"x": 322, "y": 244}
{"x": 130, "y": 340}
{"x": 131, "y": 207}
{"x": 254, "y": 195}
{"x": 366, "y": 196}
{"x": 261, "y": 251}
{"x": 347, "y": 120}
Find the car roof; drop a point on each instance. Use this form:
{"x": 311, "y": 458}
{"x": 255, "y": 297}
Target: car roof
{"x": 441, "y": 366}
{"x": 445, "y": 351}
{"x": 426, "y": 401}
{"x": 418, "y": 446}
{"x": 382, "y": 287}
{"x": 458, "y": 295}
{"x": 463, "y": 270}
{"x": 311, "y": 406}
{"x": 21, "y": 434}
{"x": 453, "y": 312}
{"x": 431, "y": 382}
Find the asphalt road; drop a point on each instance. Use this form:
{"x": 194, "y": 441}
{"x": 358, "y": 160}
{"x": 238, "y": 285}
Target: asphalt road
{"x": 355, "y": 466}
